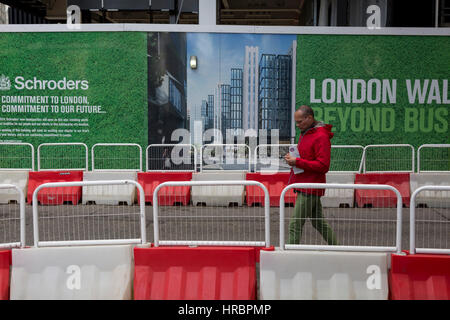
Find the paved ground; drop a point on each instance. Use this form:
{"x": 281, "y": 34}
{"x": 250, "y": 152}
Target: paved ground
{"x": 353, "y": 226}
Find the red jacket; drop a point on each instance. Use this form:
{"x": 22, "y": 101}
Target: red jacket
{"x": 314, "y": 147}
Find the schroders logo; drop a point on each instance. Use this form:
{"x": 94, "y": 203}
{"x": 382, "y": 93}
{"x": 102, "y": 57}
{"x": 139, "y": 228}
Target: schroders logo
{"x": 20, "y": 83}
{"x": 5, "y": 83}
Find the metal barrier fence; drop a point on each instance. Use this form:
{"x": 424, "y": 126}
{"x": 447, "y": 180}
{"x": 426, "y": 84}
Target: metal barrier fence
{"x": 388, "y": 158}
{"x": 225, "y": 157}
{"x": 86, "y": 225}
{"x": 346, "y": 158}
{"x": 233, "y": 226}
{"x": 116, "y": 156}
{"x": 14, "y": 157}
{"x": 430, "y": 226}
{"x": 344, "y": 229}
{"x": 63, "y": 156}
{"x": 437, "y": 159}
{"x": 184, "y": 157}
{"x": 270, "y": 157}
{"x": 12, "y": 220}
{"x": 171, "y": 157}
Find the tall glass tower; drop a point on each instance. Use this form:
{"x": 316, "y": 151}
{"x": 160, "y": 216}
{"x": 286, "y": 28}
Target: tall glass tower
{"x": 275, "y": 94}
{"x": 204, "y": 113}
{"x": 210, "y": 112}
{"x": 250, "y": 85}
{"x": 225, "y": 106}
{"x": 236, "y": 98}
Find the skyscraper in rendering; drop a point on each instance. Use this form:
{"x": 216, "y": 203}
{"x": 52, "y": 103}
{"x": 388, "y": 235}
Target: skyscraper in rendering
{"x": 224, "y": 106}
{"x": 167, "y": 108}
{"x": 250, "y": 88}
{"x": 275, "y": 94}
{"x": 236, "y": 114}
{"x": 210, "y": 122}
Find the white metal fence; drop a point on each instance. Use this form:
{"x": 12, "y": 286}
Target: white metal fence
{"x": 16, "y": 156}
{"x": 225, "y": 157}
{"x": 171, "y": 157}
{"x": 433, "y": 158}
{"x": 429, "y": 227}
{"x": 186, "y": 157}
{"x": 232, "y": 226}
{"x": 12, "y": 220}
{"x": 362, "y": 229}
{"x": 62, "y": 156}
{"x": 77, "y": 225}
{"x": 346, "y": 158}
{"x": 116, "y": 156}
{"x": 389, "y": 158}
{"x": 270, "y": 157}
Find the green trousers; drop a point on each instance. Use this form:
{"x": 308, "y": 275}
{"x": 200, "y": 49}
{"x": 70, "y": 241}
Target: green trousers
{"x": 309, "y": 206}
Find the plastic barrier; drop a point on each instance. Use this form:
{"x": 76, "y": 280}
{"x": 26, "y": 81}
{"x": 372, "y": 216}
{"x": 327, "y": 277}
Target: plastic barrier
{"x": 5, "y": 263}
{"x": 218, "y": 195}
{"x": 87, "y": 273}
{"x": 15, "y": 177}
{"x": 169, "y": 195}
{"x": 275, "y": 183}
{"x": 58, "y": 195}
{"x": 419, "y": 277}
{"x": 110, "y": 194}
{"x": 382, "y": 198}
{"x": 335, "y": 198}
{"x": 431, "y": 198}
{"x": 203, "y": 273}
{"x": 311, "y": 275}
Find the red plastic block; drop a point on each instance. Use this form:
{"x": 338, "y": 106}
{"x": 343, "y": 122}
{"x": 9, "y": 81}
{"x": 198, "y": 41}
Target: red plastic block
{"x": 58, "y": 195}
{"x": 275, "y": 183}
{"x": 167, "y": 196}
{"x": 382, "y": 198}
{"x": 419, "y": 277}
{"x": 5, "y": 263}
{"x": 257, "y": 249}
{"x": 202, "y": 273}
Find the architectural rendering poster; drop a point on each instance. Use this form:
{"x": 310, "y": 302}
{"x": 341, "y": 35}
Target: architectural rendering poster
{"x": 241, "y": 84}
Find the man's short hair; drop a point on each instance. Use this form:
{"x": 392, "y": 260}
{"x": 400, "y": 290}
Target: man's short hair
{"x": 306, "y": 110}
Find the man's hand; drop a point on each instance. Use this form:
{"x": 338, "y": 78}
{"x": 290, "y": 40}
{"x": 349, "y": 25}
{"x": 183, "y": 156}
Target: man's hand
{"x": 290, "y": 159}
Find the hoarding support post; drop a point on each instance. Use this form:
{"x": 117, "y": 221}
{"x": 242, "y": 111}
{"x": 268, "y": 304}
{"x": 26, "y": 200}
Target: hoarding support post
{"x": 207, "y": 12}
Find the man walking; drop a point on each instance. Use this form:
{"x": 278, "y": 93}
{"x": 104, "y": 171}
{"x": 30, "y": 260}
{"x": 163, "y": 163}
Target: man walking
{"x": 314, "y": 148}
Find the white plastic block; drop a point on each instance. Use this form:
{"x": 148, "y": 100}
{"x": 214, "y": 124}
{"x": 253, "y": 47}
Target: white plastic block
{"x": 432, "y": 199}
{"x": 334, "y": 198}
{"x": 72, "y": 273}
{"x": 320, "y": 275}
{"x": 16, "y": 177}
{"x": 111, "y": 194}
{"x": 218, "y": 195}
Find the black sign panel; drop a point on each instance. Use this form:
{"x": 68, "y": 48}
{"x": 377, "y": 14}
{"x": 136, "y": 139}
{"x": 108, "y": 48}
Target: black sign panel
{"x": 163, "y": 4}
{"x": 126, "y": 4}
{"x": 86, "y": 4}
